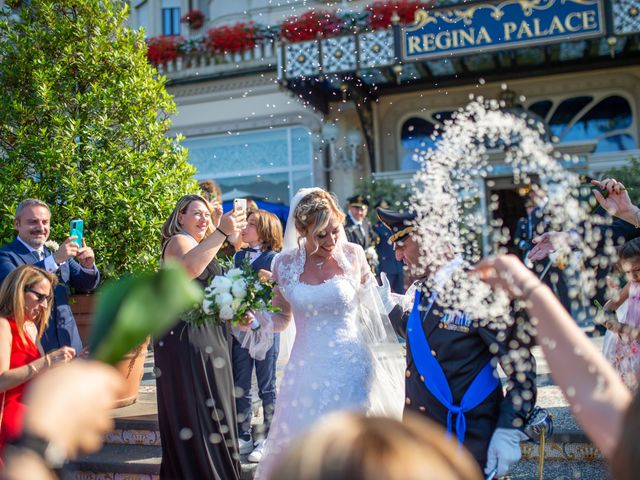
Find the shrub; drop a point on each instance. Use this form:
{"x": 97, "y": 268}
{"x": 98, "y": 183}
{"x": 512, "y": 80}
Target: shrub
{"x": 83, "y": 119}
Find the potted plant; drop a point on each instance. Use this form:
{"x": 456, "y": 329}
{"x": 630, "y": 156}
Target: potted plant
{"x": 194, "y": 18}
{"x": 83, "y": 125}
{"x": 231, "y": 39}
{"x": 381, "y": 12}
{"x": 310, "y": 25}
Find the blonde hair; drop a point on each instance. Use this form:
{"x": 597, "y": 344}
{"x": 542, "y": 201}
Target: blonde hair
{"x": 349, "y": 446}
{"x": 172, "y": 227}
{"x": 269, "y": 229}
{"x": 12, "y": 296}
{"x": 314, "y": 212}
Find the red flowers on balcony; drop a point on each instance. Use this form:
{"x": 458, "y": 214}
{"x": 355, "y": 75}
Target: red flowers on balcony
{"x": 163, "y": 49}
{"x": 310, "y": 25}
{"x": 381, "y": 11}
{"x": 194, "y": 18}
{"x": 232, "y": 38}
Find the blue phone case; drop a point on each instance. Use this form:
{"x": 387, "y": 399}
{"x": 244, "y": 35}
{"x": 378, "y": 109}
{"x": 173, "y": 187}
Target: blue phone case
{"x": 77, "y": 230}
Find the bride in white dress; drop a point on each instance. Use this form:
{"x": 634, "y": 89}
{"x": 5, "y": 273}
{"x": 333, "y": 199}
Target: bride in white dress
{"x": 345, "y": 355}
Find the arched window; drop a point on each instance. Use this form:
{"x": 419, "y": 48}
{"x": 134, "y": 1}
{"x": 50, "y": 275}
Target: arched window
{"x": 607, "y": 121}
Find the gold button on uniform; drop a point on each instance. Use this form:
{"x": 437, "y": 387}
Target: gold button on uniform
{"x": 422, "y": 409}
{"x": 407, "y": 373}
{"x": 408, "y": 401}
{"x": 421, "y": 378}
{"x": 433, "y": 352}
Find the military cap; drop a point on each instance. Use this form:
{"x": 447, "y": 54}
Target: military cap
{"x": 400, "y": 223}
{"x": 358, "y": 201}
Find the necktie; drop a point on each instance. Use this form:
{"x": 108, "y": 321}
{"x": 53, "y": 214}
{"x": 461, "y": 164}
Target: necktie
{"x": 249, "y": 249}
{"x": 38, "y": 254}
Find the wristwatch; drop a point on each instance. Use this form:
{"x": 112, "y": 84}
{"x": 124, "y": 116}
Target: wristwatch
{"x": 54, "y": 457}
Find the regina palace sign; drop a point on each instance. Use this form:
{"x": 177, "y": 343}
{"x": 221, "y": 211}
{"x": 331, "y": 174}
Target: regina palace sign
{"x": 485, "y": 26}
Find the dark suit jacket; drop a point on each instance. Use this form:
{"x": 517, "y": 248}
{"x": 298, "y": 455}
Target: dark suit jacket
{"x": 462, "y": 356}
{"x": 263, "y": 261}
{"x": 62, "y": 329}
{"x": 354, "y": 235}
{"x": 387, "y": 262}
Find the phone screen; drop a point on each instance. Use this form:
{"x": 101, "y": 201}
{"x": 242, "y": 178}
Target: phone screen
{"x": 77, "y": 230}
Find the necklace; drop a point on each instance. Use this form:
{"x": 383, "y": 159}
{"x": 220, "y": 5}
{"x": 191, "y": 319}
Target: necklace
{"x": 320, "y": 263}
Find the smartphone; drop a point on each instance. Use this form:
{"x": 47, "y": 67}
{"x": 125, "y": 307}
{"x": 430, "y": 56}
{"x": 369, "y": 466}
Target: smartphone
{"x": 240, "y": 204}
{"x": 77, "y": 230}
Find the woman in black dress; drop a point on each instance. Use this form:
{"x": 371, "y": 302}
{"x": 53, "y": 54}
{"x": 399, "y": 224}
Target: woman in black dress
{"x": 196, "y": 406}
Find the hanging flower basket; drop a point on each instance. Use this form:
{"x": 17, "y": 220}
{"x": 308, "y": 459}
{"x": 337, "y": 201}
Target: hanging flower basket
{"x": 164, "y": 49}
{"x": 228, "y": 39}
{"x": 380, "y": 12}
{"x": 311, "y": 25}
{"x": 194, "y": 18}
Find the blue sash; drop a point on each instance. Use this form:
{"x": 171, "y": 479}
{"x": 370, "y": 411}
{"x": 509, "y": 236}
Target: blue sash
{"x": 434, "y": 378}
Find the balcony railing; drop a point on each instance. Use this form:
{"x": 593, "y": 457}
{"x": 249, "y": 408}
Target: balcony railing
{"x": 203, "y": 63}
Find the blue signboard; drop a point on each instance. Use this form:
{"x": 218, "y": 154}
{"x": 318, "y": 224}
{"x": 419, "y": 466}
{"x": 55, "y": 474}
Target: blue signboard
{"x": 485, "y": 26}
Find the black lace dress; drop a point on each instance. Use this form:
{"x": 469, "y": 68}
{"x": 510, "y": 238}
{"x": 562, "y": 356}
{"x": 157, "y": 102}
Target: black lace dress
{"x": 196, "y": 406}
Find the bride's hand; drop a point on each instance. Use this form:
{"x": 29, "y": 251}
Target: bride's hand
{"x": 264, "y": 275}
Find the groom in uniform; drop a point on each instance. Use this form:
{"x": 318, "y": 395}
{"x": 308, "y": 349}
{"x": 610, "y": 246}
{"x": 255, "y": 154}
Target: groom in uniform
{"x": 451, "y": 376}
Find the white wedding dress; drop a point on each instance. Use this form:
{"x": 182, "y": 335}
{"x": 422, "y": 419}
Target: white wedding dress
{"x": 344, "y": 356}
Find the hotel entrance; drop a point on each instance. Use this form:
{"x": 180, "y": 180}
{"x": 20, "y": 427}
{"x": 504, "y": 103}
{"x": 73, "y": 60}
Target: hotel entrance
{"x": 508, "y": 206}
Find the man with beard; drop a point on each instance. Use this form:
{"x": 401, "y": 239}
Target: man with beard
{"x": 74, "y": 265}
{"x": 451, "y": 376}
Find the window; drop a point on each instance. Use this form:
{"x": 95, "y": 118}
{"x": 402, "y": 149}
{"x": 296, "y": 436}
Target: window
{"x": 417, "y": 136}
{"x": 605, "y": 120}
{"x": 171, "y": 17}
{"x": 269, "y": 164}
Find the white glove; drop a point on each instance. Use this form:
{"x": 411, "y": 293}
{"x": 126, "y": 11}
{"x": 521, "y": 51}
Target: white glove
{"x": 386, "y": 296}
{"x": 504, "y": 450}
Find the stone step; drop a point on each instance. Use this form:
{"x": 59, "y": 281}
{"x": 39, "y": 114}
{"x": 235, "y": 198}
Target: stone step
{"x": 560, "y": 470}
{"x": 126, "y": 462}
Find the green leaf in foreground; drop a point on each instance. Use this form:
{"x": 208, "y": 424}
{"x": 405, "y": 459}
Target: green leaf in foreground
{"x": 130, "y": 309}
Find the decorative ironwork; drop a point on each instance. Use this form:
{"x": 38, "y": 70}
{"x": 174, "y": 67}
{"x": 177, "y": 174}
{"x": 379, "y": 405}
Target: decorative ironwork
{"x": 376, "y": 49}
{"x": 301, "y": 59}
{"x": 339, "y": 54}
{"x": 626, "y": 17}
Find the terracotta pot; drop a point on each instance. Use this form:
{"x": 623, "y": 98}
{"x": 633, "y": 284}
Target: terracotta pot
{"x": 82, "y": 305}
{"x": 131, "y": 366}
{"x": 132, "y": 369}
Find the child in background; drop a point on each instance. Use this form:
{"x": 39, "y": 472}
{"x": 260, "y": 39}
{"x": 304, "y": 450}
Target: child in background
{"x": 263, "y": 235}
{"x": 623, "y": 351}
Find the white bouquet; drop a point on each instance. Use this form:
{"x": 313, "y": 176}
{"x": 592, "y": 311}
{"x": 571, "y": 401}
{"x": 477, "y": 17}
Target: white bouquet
{"x": 229, "y": 297}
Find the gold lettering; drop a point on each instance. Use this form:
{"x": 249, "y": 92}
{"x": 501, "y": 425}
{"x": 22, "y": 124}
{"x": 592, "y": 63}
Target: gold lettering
{"x": 414, "y": 45}
{"x": 536, "y": 28}
{"x": 428, "y": 40}
{"x": 567, "y": 22}
{"x": 454, "y": 38}
{"x": 556, "y": 24}
{"x": 509, "y": 28}
{"x": 447, "y": 40}
{"x": 524, "y": 30}
{"x": 483, "y": 35}
{"x": 589, "y": 20}
{"x": 466, "y": 36}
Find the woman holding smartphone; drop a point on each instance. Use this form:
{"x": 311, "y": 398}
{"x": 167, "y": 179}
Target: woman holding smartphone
{"x": 196, "y": 407}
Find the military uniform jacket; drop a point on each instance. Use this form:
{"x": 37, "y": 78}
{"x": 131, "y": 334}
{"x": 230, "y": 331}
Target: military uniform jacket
{"x": 355, "y": 234}
{"x": 462, "y": 350}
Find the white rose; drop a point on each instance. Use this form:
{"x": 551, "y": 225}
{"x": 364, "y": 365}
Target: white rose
{"x": 233, "y": 274}
{"x": 239, "y": 289}
{"x": 226, "y": 312}
{"x": 206, "y": 306}
{"x": 221, "y": 284}
{"x": 235, "y": 305}
{"x": 224, "y": 299}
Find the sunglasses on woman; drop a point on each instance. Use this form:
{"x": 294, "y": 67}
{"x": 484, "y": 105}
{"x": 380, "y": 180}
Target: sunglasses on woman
{"x": 40, "y": 296}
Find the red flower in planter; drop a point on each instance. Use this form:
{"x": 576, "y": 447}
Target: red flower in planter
{"x": 232, "y": 38}
{"x": 164, "y": 49}
{"x": 195, "y": 19}
{"x": 380, "y": 12}
{"x": 310, "y": 25}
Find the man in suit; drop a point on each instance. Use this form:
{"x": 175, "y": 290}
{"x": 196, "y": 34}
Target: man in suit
{"x": 387, "y": 262}
{"x": 356, "y": 226}
{"x": 451, "y": 376}
{"x": 74, "y": 266}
